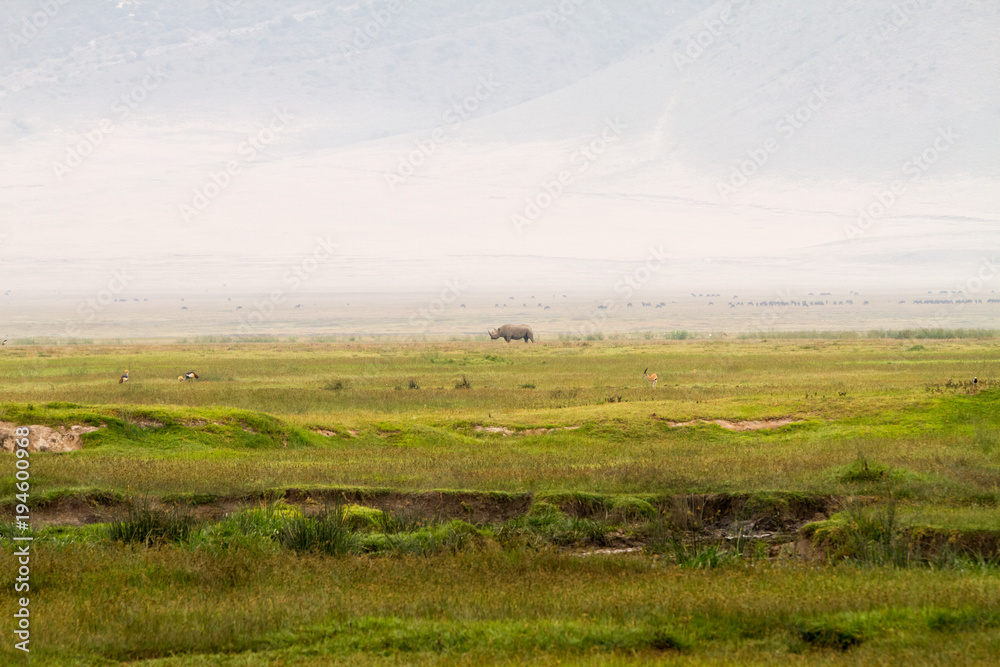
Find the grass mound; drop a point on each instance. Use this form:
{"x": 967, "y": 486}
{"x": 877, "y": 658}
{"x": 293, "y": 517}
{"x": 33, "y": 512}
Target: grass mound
{"x": 127, "y": 427}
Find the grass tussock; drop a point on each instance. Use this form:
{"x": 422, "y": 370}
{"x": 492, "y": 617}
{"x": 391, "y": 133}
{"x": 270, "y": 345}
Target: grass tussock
{"x": 146, "y": 526}
{"x": 863, "y": 471}
{"x": 328, "y": 533}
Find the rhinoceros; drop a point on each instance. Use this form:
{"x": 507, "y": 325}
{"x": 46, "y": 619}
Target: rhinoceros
{"x": 515, "y": 331}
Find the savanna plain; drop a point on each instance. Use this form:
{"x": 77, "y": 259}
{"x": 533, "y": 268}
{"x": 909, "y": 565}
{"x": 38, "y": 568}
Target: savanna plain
{"x": 791, "y": 500}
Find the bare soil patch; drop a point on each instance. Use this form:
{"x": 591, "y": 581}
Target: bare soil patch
{"x": 503, "y": 430}
{"x": 75, "y": 510}
{"x": 44, "y": 438}
{"x": 608, "y": 552}
{"x": 749, "y": 425}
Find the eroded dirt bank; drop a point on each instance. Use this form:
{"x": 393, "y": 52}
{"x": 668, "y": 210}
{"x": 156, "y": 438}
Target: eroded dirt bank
{"x": 781, "y": 512}
{"x": 44, "y": 438}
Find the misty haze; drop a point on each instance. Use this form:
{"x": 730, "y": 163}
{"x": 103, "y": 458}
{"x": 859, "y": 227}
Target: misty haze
{"x": 389, "y": 153}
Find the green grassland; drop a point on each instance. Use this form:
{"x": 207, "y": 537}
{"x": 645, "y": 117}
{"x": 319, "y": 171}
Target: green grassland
{"x": 354, "y": 502}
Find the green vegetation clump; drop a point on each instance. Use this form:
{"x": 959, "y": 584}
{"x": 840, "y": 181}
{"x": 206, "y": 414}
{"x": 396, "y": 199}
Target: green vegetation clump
{"x": 327, "y": 534}
{"x": 357, "y": 517}
{"x": 545, "y": 524}
{"x": 864, "y": 472}
{"x": 631, "y": 508}
{"x": 143, "y": 525}
{"x": 938, "y": 333}
{"x": 830, "y": 635}
{"x": 962, "y": 620}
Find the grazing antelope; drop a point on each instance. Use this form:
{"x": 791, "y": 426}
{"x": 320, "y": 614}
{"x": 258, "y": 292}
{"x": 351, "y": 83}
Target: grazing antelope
{"x": 651, "y": 379}
{"x": 123, "y": 378}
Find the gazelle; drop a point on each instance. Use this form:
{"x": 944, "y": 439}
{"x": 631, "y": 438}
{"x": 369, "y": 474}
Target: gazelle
{"x": 650, "y": 378}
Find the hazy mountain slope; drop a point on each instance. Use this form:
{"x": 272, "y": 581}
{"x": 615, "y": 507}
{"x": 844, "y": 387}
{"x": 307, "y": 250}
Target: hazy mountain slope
{"x": 525, "y": 139}
{"x": 355, "y": 69}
